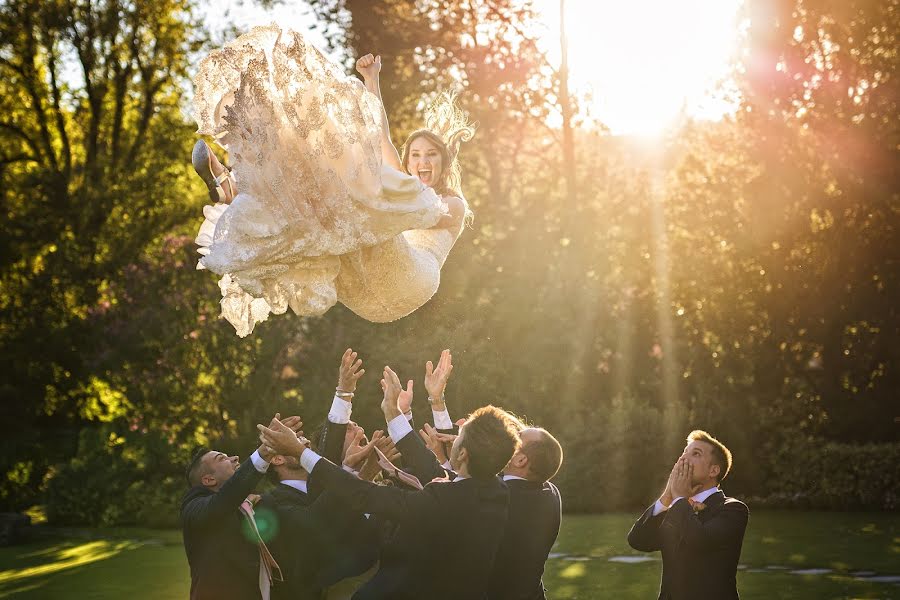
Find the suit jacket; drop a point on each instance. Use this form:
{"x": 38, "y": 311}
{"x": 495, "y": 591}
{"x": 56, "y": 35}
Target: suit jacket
{"x": 317, "y": 542}
{"x": 700, "y": 551}
{"x": 224, "y": 563}
{"x": 423, "y": 559}
{"x": 531, "y": 530}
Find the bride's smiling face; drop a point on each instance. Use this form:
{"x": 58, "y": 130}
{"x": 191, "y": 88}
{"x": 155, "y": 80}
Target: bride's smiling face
{"x": 425, "y": 161}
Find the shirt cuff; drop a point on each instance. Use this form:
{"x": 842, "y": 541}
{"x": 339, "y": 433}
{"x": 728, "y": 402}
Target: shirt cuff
{"x": 447, "y": 466}
{"x": 442, "y": 419}
{"x": 340, "y": 411}
{"x": 308, "y": 460}
{"x": 408, "y": 415}
{"x": 676, "y": 500}
{"x": 398, "y": 427}
{"x": 259, "y": 462}
{"x": 659, "y": 507}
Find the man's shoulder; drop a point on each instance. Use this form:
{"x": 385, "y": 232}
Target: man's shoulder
{"x": 483, "y": 488}
{"x": 195, "y": 493}
{"x": 735, "y": 505}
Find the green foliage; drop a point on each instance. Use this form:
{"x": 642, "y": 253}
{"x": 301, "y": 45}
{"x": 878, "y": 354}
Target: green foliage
{"x": 737, "y": 277}
{"x": 815, "y": 473}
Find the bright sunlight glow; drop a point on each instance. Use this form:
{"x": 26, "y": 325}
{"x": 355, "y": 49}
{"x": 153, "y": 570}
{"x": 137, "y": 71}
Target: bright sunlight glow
{"x": 644, "y": 62}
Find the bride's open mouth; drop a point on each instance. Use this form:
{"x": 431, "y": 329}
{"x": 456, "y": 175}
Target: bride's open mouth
{"x": 425, "y": 176}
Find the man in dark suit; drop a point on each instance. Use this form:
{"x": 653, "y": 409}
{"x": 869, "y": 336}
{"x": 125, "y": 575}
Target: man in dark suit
{"x": 697, "y": 528}
{"x": 317, "y": 541}
{"x": 224, "y": 564}
{"x": 534, "y": 517}
{"x": 423, "y": 560}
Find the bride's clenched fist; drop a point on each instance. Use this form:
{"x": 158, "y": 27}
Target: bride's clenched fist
{"x": 369, "y": 66}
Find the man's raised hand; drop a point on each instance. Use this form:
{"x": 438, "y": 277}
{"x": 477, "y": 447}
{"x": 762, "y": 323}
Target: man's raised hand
{"x": 390, "y": 384}
{"x": 683, "y": 475}
{"x": 281, "y": 439}
{"x": 404, "y": 400}
{"x": 430, "y": 436}
{"x": 295, "y": 423}
{"x": 349, "y": 372}
{"x": 436, "y": 379}
{"x": 359, "y": 449}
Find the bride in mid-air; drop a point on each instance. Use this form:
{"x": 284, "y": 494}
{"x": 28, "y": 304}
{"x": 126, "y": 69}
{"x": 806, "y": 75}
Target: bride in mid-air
{"x": 318, "y": 206}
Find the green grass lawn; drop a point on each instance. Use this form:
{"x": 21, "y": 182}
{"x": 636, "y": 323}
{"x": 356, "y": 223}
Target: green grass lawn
{"x": 144, "y": 564}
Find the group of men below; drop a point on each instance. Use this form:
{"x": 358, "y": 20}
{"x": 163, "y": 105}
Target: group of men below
{"x": 481, "y": 526}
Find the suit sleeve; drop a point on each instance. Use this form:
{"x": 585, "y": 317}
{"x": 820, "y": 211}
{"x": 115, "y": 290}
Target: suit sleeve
{"x": 331, "y": 442}
{"x": 645, "y": 533}
{"x": 390, "y": 502}
{"x": 201, "y": 511}
{"x": 682, "y": 525}
{"x": 418, "y": 459}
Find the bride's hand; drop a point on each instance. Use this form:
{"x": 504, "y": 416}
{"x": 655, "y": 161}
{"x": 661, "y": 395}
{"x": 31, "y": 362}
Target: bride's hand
{"x": 369, "y": 66}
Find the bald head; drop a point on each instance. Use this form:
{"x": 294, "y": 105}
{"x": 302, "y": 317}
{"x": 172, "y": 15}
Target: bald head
{"x": 543, "y": 452}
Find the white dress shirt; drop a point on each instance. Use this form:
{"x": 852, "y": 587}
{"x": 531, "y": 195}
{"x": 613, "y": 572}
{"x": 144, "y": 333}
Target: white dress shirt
{"x": 700, "y": 497}
{"x": 340, "y": 411}
{"x": 259, "y": 462}
{"x": 297, "y": 484}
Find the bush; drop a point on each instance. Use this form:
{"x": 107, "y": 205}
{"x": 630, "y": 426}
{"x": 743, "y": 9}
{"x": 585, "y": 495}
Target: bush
{"x": 813, "y": 473}
{"x": 108, "y": 483}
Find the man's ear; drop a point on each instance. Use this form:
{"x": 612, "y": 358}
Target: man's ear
{"x": 463, "y": 455}
{"x": 519, "y": 460}
{"x": 208, "y": 480}
{"x": 277, "y": 460}
{"x": 714, "y": 471}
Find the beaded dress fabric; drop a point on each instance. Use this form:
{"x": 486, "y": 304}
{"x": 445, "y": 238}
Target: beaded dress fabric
{"x": 317, "y": 219}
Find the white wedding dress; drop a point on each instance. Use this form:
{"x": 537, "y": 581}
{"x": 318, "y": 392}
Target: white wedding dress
{"x": 318, "y": 218}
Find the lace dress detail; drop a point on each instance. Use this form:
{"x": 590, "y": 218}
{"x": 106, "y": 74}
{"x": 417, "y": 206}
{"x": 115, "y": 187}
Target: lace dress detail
{"x": 318, "y": 218}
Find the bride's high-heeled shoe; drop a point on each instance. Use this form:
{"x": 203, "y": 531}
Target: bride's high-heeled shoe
{"x": 202, "y": 159}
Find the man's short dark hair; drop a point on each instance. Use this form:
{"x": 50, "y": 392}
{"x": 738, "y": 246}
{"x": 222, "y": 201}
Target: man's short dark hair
{"x": 195, "y": 470}
{"x": 491, "y": 437}
{"x": 545, "y": 456}
{"x": 720, "y": 454}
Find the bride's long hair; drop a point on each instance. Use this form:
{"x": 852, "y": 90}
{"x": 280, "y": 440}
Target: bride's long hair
{"x": 446, "y": 126}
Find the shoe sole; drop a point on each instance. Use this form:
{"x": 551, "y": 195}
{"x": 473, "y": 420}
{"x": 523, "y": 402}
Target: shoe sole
{"x": 200, "y": 160}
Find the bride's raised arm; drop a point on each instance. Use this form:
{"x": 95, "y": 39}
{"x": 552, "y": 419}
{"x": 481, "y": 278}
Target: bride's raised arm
{"x": 370, "y": 68}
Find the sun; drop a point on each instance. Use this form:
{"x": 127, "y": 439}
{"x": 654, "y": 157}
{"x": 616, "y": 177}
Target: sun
{"x": 645, "y": 62}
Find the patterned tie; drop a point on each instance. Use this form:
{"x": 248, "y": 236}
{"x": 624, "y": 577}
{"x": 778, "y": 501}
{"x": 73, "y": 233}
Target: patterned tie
{"x": 268, "y": 568}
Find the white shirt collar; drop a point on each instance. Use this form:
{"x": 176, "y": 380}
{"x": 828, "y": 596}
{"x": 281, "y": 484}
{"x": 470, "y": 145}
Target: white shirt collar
{"x": 508, "y": 477}
{"x": 297, "y": 484}
{"x": 702, "y": 496}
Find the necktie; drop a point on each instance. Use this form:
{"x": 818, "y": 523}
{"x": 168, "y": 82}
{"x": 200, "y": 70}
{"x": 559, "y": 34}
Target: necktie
{"x": 268, "y": 568}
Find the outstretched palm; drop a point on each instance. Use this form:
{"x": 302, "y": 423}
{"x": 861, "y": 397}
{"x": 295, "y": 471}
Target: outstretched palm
{"x": 404, "y": 400}
{"x": 436, "y": 378}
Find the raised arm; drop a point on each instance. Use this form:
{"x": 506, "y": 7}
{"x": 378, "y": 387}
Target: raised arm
{"x": 436, "y": 383}
{"x": 390, "y": 501}
{"x": 370, "y": 68}
{"x": 332, "y": 439}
